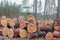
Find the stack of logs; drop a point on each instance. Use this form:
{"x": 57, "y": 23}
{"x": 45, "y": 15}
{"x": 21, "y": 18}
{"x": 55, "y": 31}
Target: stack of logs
{"x": 31, "y": 28}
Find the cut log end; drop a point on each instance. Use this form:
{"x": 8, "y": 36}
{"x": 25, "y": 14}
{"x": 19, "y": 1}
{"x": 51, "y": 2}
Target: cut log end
{"x": 23, "y": 33}
{"x": 5, "y": 32}
{"x": 31, "y": 28}
{"x": 3, "y": 17}
{"x": 30, "y": 18}
{"x": 10, "y": 33}
{"x": 49, "y": 36}
{"x": 4, "y": 23}
{"x": 22, "y": 24}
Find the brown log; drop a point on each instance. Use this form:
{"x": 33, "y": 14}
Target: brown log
{"x": 56, "y": 34}
{"x": 50, "y": 22}
{"x": 15, "y": 20}
{"x": 32, "y": 35}
{"x": 10, "y": 33}
{"x": 16, "y": 32}
{"x": 56, "y": 22}
{"x": 56, "y": 38}
{"x": 4, "y": 23}
{"x": 31, "y": 28}
{"x": 48, "y": 28}
{"x": 12, "y": 24}
{"x": 44, "y": 22}
{"x": 5, "y": 31}
{"x": 41, "y": 34}
{"x": 30, "y": 18}
{"x": 23, "y": 33}
{"x": 22, "y": 24}
{"x": 17, "y": 25}
{"x": 57, "y": 28}
{"x": 8, "y": 20}
{"x": 0, "y": 23}
{"x": 49, "y": 36}
{"x": 0, "y": 31}
{"x": 39, "y": 22}
{"x": 3, "y": 17}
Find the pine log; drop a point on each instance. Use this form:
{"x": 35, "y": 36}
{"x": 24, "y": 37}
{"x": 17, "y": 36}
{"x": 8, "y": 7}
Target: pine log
{"x": 31, "y": 28}
{"x": 30, "y": 18}
{"x": 49, "y": 36}
{"x": 12, "y": 24}
{"x": 41, "y": 34}
{"x": 10, "y": 33}
{"x": 0, "y": 23}
{"x": 48, "y": 28}
{"x": 3, "y": 18}
{"x": 4, "y": 23}
{"x": 22, "y": 24}
{"x": 17, "y": 25}
{"x": 5, "y": 31}
{"x": 56, "y": 38}
{"x": 32, "y": 35}
{"x": 56, "y": 22}
{"x": 16, "y": 32}
{"x": 23, "y": 33}
{"x": 8, "y": 20}
{"x": 57, "y": 28}
{"x": 56, "y": 34}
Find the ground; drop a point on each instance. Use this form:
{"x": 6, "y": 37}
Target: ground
{"x": 6, "y": 38}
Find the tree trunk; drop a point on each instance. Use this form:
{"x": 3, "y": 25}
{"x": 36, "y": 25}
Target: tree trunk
{"x": 35, "y": 8}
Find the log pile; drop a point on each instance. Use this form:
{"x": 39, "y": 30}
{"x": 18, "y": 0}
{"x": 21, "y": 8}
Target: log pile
{"x": 29, "y": 28}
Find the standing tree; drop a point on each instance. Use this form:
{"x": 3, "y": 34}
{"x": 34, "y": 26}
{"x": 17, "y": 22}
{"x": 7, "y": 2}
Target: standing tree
{"x": 58, "y": 10}
{"x": 35, "y": 8}
{"x": 39, "y": 8}
{"x": 25, "y": 6}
